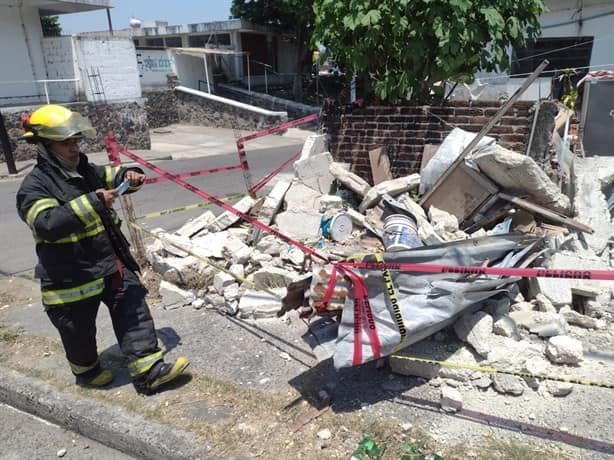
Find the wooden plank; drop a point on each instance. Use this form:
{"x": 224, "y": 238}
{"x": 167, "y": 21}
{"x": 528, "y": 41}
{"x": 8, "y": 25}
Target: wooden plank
{"x": 380, "y": 165}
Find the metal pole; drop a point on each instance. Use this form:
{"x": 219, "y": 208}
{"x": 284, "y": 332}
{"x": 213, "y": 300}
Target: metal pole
{"x": 6, "y": 146}
{"x": 249, "y": 79}
{"x": 266, "y": 83}
{"x": 207, "y": 74}
{"x": 109, "y": 21}
{"x": 46, "y": 92}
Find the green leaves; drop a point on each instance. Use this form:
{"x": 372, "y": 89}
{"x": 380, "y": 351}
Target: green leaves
{"x": 368, "y": 450}
{"x": 402, "y": 47}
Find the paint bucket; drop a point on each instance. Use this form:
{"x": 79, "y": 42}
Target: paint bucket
{"x": 338, "y": 227}
{"x": 400, "y": 233}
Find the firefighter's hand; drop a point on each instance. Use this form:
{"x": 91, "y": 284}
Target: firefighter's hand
{"x": 136, "y": 178}
{"x": 107, "y": 196}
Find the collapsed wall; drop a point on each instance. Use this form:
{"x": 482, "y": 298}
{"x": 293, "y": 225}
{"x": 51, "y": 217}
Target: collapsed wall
{"x": 353, "y": 131}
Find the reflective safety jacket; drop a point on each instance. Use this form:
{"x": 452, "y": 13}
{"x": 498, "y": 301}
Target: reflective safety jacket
{"x": 75, "y": 250}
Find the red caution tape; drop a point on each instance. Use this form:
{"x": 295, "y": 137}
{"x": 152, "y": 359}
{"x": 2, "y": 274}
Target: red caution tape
{"x": 110, "y": 140}
{"x": 276, "y": 129}
{"x": 605, "y": 275}
{"x": 281, "y": 167}
{"x": 155, "y": 180}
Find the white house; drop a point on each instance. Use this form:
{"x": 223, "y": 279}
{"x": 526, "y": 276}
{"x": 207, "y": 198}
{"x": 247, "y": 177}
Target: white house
{"x": 38, "y": 69}
{"x": 576, "y": 34}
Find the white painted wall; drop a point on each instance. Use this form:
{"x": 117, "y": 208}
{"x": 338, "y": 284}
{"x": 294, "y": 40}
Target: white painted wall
{"x": 190, "y": 69}
{"x": 20, "y": 54}
{"x": 115, "y": 60}
{"x": 154, "y": 66}
{"x": 61, "y": 64}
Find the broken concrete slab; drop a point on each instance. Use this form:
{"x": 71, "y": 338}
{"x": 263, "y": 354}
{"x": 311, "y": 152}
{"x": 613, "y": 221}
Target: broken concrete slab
{"x": 577, "y": 319}
{"x": 194, "y": 226}
{"x": 236, "y": 251}
{"x": 270, "y": 244}
{"x": 540, "y": 323}
{"x": 300, "y": 197}
{"x": 583, "y": 262}
{"x": 563, "y": 349}
{"x": 520, "y": 175}
{"x": 350, "y": 180}
{"x": 392, "y": 187}
{"x": 556, "y": 290}
{"x": 314, "y": 172}
{"x": 177, "y": 242}
{"x": 258, "y": 304}
{"x": 506, "y": 327}
{"x": 451, "y": 399}
{"x": 507, "y": 384}
{"x": 221, "y": 281}
{"x": 210, "y": 244}
{"x": 314, "y": 145}
{"x": 475, "y": 329}
{"x": 461, "y": 356}
{"x": 273, "y": 277}
{"x": 299, "y": 225}
{"x": 589, "y": 203}
{"x": 273, "y": 201}
{"x": 173, "y": 296}
{"x": 330, "y": 202}
{"x": 226, "y": 219}
{"x": 398, "y": 365}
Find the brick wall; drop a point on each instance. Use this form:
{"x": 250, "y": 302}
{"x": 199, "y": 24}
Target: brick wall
{"x": 353, "y": 131}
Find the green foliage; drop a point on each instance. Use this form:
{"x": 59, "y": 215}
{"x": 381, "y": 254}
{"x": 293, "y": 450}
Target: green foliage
{"x": 398, "y": 47}
{"x": 570, "y": 96}
{"x": 51, "y": 26}
{"x": 368, "y": 450}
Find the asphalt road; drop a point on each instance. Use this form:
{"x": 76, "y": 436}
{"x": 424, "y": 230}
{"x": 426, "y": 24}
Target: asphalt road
{"x": 17, "y": 247}
{"x": 25, "y": 436}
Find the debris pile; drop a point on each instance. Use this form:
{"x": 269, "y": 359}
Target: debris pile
{"x": 489, "y": 207}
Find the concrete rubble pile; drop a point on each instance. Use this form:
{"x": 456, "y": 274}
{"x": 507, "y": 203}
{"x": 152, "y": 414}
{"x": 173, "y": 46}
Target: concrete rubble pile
{"x": 536, "y": 326}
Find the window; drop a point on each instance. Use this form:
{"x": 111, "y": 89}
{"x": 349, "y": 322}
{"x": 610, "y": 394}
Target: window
{"x": 154, "y": 42}
{"x": 221, "y": 39}
{"x": 562, "y": 52}
{"x": 173, "y": 42}
{"x": 198, "y": 41}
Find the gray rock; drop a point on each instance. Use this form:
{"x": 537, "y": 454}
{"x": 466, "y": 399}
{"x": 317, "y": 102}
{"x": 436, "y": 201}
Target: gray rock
{"x": 451, "y": 399}
{"x": 273, "y": 201}
{"x": 507, "y": 384}
{"x": 314, "y": 172}
{"x": 563, "y": 349}
{"x": 559, "y": 388}
{"x": 348, "y": 179}
{"x": 475, "y": 329}
{"x": 221, "y": 280}
{"x": 535, "y": 365}
{"x": 544, "y": 304}
{"x": 226, "y": 219}
{"x": 521, "y": 306}
{"x": 556, "y": 290}
{"x": 540, "y": 323}
{"x": 577, "y": 319}
{"x": 461, "y": 356}
{"x": 413, "y": 368}
{"x": 482, "y": 382}
{"x": 506, "y": 327}
{"x": 272, "y": 277}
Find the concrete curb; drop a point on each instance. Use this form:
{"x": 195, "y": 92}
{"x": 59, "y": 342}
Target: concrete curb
{"x": 103, "y": 422}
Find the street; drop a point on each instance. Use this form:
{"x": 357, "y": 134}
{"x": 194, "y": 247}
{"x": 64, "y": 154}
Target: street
{"x": 17, "y": 244}
{"x": 26, "y": 436}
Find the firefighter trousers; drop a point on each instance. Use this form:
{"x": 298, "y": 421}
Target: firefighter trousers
{"x": 132, "y": 324}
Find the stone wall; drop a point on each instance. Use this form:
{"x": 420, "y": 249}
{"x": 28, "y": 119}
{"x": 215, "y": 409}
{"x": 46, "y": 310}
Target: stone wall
{"x": 127, "y": 120}
{"x": 294, "y": 109}
{"x": 353, "y": 131}
{"x": 201, "y": 111}
{"x": 161, "y": 107}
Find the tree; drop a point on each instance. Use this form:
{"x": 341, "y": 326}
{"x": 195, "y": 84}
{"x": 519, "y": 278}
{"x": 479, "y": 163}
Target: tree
{"x": 398, "y": 47}
{"x": 51, "y": 26}
{"x": 292, "y": 17}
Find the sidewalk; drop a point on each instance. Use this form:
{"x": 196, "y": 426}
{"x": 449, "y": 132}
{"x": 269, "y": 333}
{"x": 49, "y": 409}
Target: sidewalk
{"x": 177, "y": 142}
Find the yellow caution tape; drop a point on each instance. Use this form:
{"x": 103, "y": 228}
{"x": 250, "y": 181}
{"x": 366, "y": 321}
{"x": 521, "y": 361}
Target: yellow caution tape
{"x": 202, "y": 204}
{"x": 492, "y": 370}
{"x": 207, "y": 261}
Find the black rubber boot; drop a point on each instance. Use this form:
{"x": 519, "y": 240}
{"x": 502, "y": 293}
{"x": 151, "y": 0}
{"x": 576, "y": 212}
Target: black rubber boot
{"x": 160, "y": 374}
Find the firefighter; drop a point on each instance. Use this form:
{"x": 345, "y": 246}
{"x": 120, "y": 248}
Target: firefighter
{"x": 83, "y": 258}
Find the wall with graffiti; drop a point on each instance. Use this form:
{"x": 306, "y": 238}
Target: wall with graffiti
{"x": 154, "y": 66}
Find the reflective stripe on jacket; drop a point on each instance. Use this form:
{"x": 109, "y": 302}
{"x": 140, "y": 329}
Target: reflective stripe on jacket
{"x": 64, "y": 214}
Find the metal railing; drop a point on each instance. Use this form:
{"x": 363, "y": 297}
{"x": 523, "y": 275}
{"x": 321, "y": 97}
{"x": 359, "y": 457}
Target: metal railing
{"x": 44, "y": 83}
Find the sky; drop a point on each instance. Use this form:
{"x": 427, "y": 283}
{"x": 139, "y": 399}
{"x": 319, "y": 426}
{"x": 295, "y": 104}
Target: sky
{"x": 173, "y": 11}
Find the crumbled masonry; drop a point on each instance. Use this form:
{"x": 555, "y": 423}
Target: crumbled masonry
{"x": 532, "y": 326}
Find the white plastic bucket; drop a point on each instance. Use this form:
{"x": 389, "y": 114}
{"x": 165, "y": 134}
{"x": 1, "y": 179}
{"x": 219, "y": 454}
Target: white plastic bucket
{"x": 400, "y": 233}
{"x": 339, "y": 227}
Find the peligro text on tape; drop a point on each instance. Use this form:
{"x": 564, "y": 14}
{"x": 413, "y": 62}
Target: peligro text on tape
{"x": 223, "y": 205}
{"x": 202, "y": 204}
{"x": 207, "y": 261}
{"x": 606, "y": 275}
{"x": 492, "y": 370}
{"x": 155, "y": 180}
